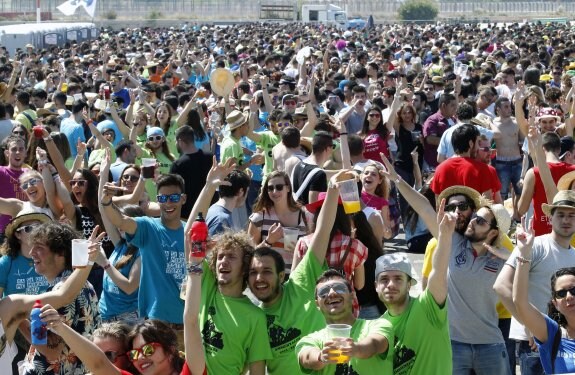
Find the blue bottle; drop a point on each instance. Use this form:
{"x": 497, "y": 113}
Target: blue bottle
{"x": 37, "y": 326}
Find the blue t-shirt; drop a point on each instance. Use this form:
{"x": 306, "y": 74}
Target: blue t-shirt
{"x": 564, "y": 361}
{"x": 257, "y": 170}
{"x": 218, "y": 219}
{"x": 73, "y": 131}
{"x": 17, "y": 276}
{"x": 163, "y": 269}
{"x": 124, "y": 94}
{"x": 113, "y": 300}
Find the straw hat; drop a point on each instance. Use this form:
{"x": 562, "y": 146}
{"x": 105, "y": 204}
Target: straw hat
{"x": 24, "y": 216}
{"x": 563, "y": 199}
{"x": 482, "y": 120}
{"x": 503, "y": 220}
{"x": 461, "y": 190}
{"x": 222, "y": 81}
{"x": 565, "y": 181}
{"x": 235, "y": 119}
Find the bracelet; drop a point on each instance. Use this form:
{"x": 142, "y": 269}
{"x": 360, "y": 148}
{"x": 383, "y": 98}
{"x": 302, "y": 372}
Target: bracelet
{"x": 195, "y": 269}
{"x": 267, "y": 242}
{"x": 522, "y": 260}
{"x": 107, "y": 266}
{"x": 47, "y": 139}
{"x": 106, "y": 204}
{"x": 56, "y": 178}
{"x": 54, "y": 174}
{"x": 343, "y": 133}
{"x": 306, "y": 102}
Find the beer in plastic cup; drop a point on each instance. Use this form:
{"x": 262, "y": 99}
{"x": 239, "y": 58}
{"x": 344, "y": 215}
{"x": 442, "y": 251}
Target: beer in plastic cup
{"x": 80, "y": 253}
{"x": 349, "y": 196}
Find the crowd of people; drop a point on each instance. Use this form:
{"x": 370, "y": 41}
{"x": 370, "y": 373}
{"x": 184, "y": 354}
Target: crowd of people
{"x": 461, "y": 136}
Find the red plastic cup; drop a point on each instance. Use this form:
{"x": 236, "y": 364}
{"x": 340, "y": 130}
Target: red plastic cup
{"x": 38, "y": 131}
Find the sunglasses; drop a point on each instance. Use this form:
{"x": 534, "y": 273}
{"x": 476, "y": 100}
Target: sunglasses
{"x": 482, "y": 221}
{"x": 155, "y": 138}
{"x": 463, "y": 206}
{"x": 19, "y": 132}
{"x": 290, "y": 102}
{"x": 484, "y": 149}
{"x": 129, "y": 177}
{"x": 562, "y": 293}
{"x": 428, "y": 89}
{"x": 30, "y": 182}
{"x": 26, "y": 228}
{"x": 278, "y": 187}
{"x": 339, "y": 288}
{"x": 146, "y": 350}
{"x": 112, "y": 356}
{"x": 284, "y": 124}
{"x": 374, "y": 115}
{"x": 174, "y": 198}
{"x": 80, "y": 183}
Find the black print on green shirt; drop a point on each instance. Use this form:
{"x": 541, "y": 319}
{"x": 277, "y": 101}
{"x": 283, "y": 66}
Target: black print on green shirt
{"x": 345, "y": 369}
{"x": 278, "y": 335}
{"x": 209, "y": 333}
{"x": 403, "y": 359}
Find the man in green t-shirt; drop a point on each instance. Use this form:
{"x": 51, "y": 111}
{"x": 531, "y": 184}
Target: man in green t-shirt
{"x": 231, "y": 148}
{"x": 266, "y": 140}
{"x": 422, "y": 344}
{"x": 289, "y": 309}
{"x": 369, "y": 348}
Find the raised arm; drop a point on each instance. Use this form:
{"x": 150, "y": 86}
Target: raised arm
{"x": 419, "y": 203}
{"x": 525, "y": 312}
{"x": 91, "y": 355}
{"x": 535, "y": 144}
{"x": 437, "y": 284}
{"x": 113, "y": 233}
{"x": 119, "y": 220}
{"x": 193, "y": 342}
{"x": 520, "y": 96}
{"x": 124, "y": 129}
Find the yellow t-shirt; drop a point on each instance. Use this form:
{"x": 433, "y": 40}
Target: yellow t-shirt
{"x": 426, "y": 270}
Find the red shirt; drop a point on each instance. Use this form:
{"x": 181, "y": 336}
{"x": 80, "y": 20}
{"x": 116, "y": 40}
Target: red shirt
{"x": 540, "y": 222}
{"x": 496, "y": 184}
{"x": 462, "y": 171}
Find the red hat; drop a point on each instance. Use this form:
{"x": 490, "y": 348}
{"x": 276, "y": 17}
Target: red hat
{"x": 313, "y": 207}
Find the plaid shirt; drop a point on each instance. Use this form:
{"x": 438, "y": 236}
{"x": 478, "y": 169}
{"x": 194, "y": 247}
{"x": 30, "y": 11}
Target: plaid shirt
{"x": 355, "y": 258}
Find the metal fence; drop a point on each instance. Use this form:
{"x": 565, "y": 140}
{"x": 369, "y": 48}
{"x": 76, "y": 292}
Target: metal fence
{"x": 244, "y": 10}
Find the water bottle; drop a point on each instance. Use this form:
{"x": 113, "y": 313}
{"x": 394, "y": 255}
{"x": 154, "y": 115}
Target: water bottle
{"x": 38, "y": 328}
{"x": 199, "y": 237}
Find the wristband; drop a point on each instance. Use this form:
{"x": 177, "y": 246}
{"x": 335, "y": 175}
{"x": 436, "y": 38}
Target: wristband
{"x": 267, "y": 242}
{"x": 106, "y": 204}
{"x": 522, "y": 260}
{"x": 343, "y": 133}
{"x": 107, "y": 266}
{"x": 47, "y": 139}
{"x": 195, "y": 269}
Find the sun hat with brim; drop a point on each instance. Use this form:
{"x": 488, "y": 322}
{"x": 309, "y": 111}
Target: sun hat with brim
{"x": 565, "y": 181}
{"x": 24, "y": 216}
{"x": 314, "y": 206}
{"x": 482, "y": 120}
{"x": 563, "y": 199}
{"x": 235, "y": 119}
{"x": 503, "y": 220}
{"x": 155, "y": 130}
{"x": 394, "y": 262}
{"x": 42, "y": 112}
{"x": 461, "y": 190}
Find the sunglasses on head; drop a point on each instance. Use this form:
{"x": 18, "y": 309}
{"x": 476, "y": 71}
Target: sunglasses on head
{"x": 30, "y": 182}
{"x": 27, "y": 228}
{"x": 463, "y": 206}
{"x": 174, "y": 198}
{"x": 112, "y": 356}
{"x": 80, "y": 183}
{"x": 277, "y": 187}
{"x": 339, "y": 288}
{"x": 146, "y": 350}
{"x": 129, "y": 177}
{"x": 562, "y": 293}
{"x": 374, "y": 114}
{"x": 155, "y": 138}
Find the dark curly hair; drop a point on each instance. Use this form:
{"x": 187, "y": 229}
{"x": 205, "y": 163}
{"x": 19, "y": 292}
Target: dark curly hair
{"x": 552, "y": 311}
{"x": 153, "y": 330}
{"x": 58, "y": 238}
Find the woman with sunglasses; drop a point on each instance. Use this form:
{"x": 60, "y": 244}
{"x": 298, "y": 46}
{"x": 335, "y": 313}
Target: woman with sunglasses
{"x": 554, "y": 333}
{"x": 375, "y": 135}
{"x": 274, "y": 210}
{"x": 112, "y": 339}
{"x": 21, "y": 131}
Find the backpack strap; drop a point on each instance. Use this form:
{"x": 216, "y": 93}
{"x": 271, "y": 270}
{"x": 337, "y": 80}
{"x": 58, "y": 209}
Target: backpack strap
{"x": 555, "y": 348}
{"x": 305, "y": 182}
{"x": 342, "y": 260}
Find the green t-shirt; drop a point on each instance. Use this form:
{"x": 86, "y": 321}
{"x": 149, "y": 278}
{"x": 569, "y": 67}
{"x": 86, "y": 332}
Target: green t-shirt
{"x": 231, "y": 148}
{"x": 294, "y": 316}
{"x": 96, "y": 156}
{"x": 165, "y": 165}
{"x": 233, "y": 330}
{"x": 422, "y": 344}
{"x": 267, "y": 142}
{"x": 171, "y": 138}
{"x": 377, "y": 364}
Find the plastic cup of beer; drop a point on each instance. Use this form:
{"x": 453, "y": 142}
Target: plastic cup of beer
{"x": 339, "y": 333}
{"x": 148, "y": 166}
{"x": 349, "y": 194}
{"x": 457, "y": 67}
{"x": 80, "y": 253}
{"x": 290, "y": 238}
